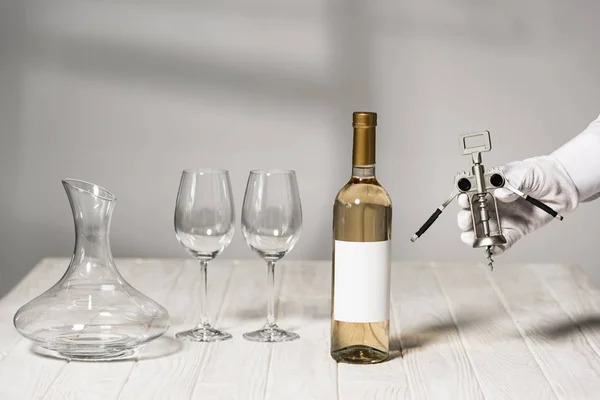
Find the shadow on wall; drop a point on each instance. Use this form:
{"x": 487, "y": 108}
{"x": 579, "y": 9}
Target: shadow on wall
{"x": 294, "y": 53}
{"x": 283, "y": 56}
{"x": 295, "y": 56}
{"x": 489, "y": 22}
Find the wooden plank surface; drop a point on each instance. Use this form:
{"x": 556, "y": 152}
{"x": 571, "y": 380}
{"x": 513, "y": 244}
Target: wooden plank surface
{"x": 457, "y": 331}
{"x": 236, "y": 368}
{"x": 578, "y": 297}
{"x": 436, "y": 363}
{"x": 567, "y": 358}
{"x": 500, "y": 357}
{"x": 175, "y": 375}
{"x": 23, "y": 375}
{"x": 42, "y": 277}
{"x": 304, "y": 308}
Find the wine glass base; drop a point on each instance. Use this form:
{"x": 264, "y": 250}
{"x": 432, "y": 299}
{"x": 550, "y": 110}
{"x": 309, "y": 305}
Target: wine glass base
{"x": 271, "y": 335}
{"x": 203, "y": 334}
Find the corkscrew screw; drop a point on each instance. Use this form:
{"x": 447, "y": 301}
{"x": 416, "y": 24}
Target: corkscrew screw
{"x": 479, "y": 186}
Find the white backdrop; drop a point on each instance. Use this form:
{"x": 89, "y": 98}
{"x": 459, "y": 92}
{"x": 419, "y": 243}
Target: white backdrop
{"x": 128, "y": 93}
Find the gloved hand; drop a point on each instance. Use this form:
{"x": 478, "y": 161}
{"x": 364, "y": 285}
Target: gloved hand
{"x": 543, "y": 178}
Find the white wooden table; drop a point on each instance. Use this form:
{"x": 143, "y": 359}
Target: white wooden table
{"x": 458, "y": 332}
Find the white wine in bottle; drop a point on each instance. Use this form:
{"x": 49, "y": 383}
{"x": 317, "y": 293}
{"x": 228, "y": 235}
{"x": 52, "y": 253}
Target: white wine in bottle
{"x": 362, "y": 233}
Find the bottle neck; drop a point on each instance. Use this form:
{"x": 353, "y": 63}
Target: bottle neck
{"x": 363, "y": 152}
{"x": 363, "y": 171}
{"x": 363, "y": 146}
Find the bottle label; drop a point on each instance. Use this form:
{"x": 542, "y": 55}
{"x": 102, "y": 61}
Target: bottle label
{"x": 362, "y": 281}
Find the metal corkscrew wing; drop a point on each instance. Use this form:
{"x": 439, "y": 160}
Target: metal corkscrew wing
{"x": 479, "y": 186}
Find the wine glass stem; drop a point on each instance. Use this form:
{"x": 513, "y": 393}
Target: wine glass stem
{"x": 203, "y": 295}
{"x": 271, "y": 301}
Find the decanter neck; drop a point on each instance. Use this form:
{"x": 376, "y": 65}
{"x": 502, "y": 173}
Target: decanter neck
{"x": 92, "y": 240}
{"x": 92, "y": 212}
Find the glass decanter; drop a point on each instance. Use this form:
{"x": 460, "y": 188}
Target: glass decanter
{"x": 91, "y": 313}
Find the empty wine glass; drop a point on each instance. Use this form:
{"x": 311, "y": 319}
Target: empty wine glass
{"x": 271, "y": 224}
{"x": 204, "y": 225}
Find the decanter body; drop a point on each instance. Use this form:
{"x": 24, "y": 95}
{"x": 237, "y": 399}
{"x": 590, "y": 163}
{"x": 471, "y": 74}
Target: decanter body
{"x": 91, "y": 313}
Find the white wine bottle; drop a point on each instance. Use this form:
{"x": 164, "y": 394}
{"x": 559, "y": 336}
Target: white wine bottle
{"x": 362, "y": 233}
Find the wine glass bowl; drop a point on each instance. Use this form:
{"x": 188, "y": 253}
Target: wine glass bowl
{"x": 208, "y": 236}
{"x": 271, "y": 225}
{"x": 272, "y": 234}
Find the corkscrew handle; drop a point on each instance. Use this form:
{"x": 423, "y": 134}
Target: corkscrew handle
{"x": 427, "y": 224}
{"x": 534, "y": 201}
{"x": 544, "y": 207}
{"x": 436, "y": 213}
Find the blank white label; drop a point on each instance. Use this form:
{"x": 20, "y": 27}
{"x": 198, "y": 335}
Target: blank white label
{"x": 362, "y": 281}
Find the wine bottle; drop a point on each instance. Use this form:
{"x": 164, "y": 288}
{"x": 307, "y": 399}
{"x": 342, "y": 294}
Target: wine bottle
{"x": 362, "y": 232}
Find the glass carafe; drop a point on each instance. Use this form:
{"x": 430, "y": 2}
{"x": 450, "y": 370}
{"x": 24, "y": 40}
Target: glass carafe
{"x": 91, "y": 313}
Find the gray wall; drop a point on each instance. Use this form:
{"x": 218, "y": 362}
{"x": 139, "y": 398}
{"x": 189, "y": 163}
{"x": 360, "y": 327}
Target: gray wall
{"x": 127, "y": 94}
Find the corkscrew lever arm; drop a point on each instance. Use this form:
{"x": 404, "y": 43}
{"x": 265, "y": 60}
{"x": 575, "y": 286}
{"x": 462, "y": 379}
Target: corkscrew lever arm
{"x": 533, "y": 201}
{"x": 434, "y": 216}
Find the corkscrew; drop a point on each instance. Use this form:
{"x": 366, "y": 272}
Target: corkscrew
{"x": 479, "y": 186}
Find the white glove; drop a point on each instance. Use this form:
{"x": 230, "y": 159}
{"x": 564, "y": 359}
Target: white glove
{"x": 543, "y": 178}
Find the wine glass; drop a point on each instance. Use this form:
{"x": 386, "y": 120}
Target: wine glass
{"x": 204, "y": 225}
{"x": 271, "y": 224}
